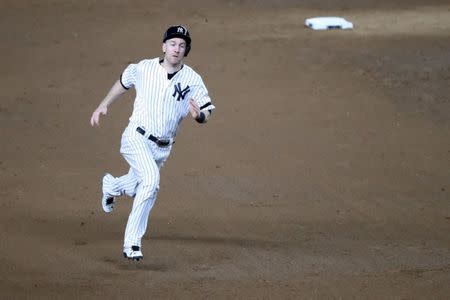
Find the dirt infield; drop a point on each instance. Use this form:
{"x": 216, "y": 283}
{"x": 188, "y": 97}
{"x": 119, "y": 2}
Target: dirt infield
{"x": 323, "y": 174}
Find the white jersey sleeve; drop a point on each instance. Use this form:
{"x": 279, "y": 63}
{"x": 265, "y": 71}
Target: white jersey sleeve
{"x": 128, "y": 77}
{"x": 200, "y": 94}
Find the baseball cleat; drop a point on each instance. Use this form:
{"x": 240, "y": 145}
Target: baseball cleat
{"x": 108, "y": 201}
{"x": 133, "y": 253}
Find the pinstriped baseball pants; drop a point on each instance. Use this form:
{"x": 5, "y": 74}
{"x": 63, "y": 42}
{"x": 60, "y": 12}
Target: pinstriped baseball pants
{"x": 142, "y": 181}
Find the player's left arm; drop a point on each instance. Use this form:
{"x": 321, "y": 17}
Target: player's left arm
{"x": 200, "y": 105}
{"x": 201, "y": 116}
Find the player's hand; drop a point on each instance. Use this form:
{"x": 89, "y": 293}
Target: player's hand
{"x": 194, "y": 109}
{"x": 95, "y": 119}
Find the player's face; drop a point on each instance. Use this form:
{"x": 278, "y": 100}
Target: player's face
{"x": 174, "y": 50}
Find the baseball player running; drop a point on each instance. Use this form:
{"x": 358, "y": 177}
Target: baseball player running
{"x": 167, "y": 91}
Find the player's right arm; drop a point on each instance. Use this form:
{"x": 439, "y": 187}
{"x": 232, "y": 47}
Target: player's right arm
{"x": 116, "y": 90}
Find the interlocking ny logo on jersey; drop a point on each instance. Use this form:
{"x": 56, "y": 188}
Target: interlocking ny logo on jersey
{"x": 181, "y": 93}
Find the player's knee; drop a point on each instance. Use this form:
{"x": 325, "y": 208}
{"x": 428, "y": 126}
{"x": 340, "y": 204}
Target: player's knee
{"x": 148, "y": 191}
{"x": 150, "y": 185}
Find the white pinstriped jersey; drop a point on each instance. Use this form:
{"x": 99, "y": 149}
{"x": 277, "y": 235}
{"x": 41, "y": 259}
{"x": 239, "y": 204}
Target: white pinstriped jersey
{"x": 161, "y": 104}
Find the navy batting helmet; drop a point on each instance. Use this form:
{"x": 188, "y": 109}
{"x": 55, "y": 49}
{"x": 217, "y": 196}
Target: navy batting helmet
{"x": 178, "y": 31}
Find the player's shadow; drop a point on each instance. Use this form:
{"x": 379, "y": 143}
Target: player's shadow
{"x": 149, "y": 264}
{"x": 129, "y": 265}
{"x": 217, "y": 240}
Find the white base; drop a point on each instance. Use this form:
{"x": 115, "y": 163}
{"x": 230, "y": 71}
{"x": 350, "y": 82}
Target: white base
{"x": 326, "y": 23}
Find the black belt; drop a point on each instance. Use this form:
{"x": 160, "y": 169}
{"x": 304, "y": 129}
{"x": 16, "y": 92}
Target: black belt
{"x": 159, "y": 142}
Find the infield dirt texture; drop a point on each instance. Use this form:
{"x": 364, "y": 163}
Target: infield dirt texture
{"x": 323, "y": 174}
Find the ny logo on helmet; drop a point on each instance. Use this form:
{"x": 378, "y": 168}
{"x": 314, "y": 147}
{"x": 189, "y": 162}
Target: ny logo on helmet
{"x": 180, "y": 29}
